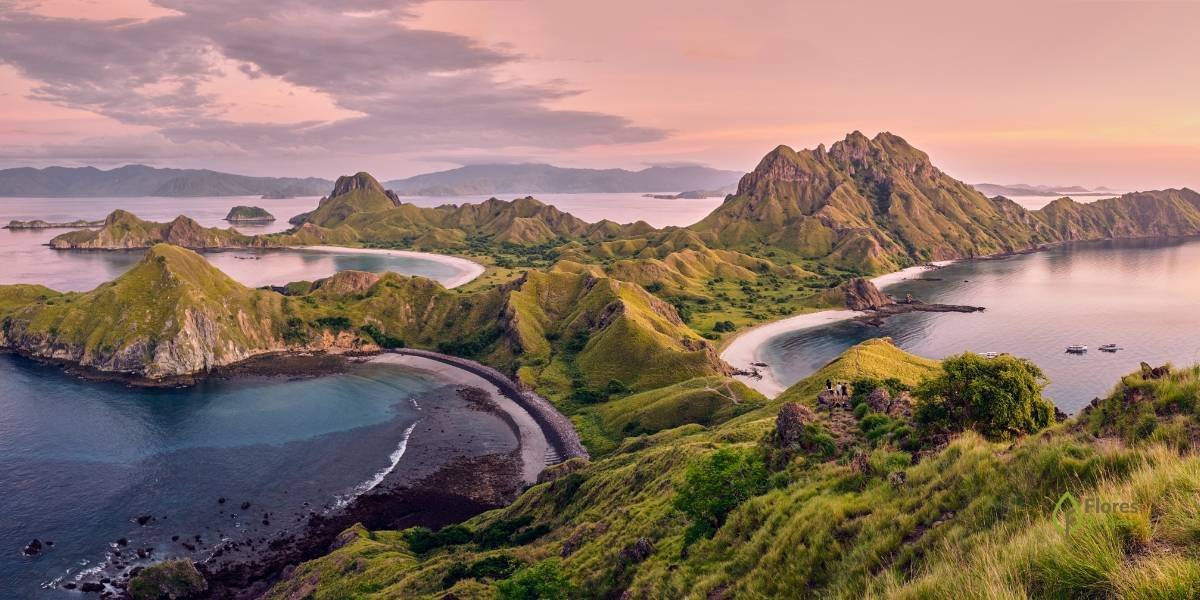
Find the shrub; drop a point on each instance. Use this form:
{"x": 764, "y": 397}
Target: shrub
{"x": 723, "y": 326}
{"x": 542, "y": 581}
{"x": 422, "y": 539}
{"x": 715, "y": 485}
{"x": 336, "y": 323}
{"x": 384, "y": 340}
{"x": 999, "y": 397}
{"x": 500, "y": 533}
{"x": 492, "y": 567}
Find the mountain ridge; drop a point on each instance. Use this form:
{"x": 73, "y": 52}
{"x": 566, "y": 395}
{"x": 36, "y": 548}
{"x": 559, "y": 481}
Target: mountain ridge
{"x": 142, "y": 180}
{"x": 534, "y": 178}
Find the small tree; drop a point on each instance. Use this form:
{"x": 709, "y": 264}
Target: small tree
{"x": 998, "y": 397}
{"x": 716, "y": 484}
{"x": 542, "y": 581}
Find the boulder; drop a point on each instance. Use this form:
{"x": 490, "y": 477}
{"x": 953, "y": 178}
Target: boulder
{"x": 790, "y": 424}
{"x": 880, "y": 400}
{"x": 638, "y": 551}
{"x": 861, "y": 294}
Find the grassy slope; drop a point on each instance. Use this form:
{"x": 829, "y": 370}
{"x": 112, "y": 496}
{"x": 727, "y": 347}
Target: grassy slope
{"x": 124, "y": 230}
{"x": 973, "y": 519}
{"x": 172, "y": 307}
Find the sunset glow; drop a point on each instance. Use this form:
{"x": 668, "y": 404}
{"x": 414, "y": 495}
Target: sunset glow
{"x": 1088, "y": 93}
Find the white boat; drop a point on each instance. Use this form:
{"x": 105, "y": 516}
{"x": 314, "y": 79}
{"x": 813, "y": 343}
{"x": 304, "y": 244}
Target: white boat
{"x": 1109, "y": 348}
{"x": 990, "y": 354}
{"x": 1077, "y": 349}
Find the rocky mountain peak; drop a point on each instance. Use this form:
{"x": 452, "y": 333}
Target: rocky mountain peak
{"x": 358, "y": 181}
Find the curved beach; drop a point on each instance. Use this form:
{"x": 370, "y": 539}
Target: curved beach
{"x": 468, "y": 269}
{"x": 746, "y": 348}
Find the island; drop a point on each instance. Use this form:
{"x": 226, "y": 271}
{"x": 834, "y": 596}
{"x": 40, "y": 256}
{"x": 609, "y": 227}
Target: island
{"x": 40, "y": 224}
{"x": 250, "y": 214}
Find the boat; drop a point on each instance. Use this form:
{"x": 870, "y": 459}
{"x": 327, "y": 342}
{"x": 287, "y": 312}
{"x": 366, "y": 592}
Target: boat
{"x": 990, "y": 354}
{"x": 1109, "y": 348}
{"x": 1077, "y": 349}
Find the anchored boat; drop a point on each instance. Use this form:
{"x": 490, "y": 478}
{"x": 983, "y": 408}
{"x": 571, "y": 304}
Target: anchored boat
{"x": 1109, "y": 348}
{"x": 1077, "y": 349}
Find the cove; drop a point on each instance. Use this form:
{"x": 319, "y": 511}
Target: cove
{"x": 1138, "y": 294}
{"x": 81, "y": 461}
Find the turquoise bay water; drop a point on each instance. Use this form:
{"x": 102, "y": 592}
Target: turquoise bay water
{"x": 80, "y": 460}
{"x": 1141, "y": 295}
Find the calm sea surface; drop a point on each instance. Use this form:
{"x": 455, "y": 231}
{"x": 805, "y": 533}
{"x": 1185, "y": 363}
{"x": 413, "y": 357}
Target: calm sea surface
{"x": 24, "y": 257}
{"x": 80, "y": 460}
{"x": 1141, "y": 295}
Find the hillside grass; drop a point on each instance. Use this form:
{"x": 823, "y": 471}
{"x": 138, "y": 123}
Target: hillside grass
{"x": 971, "y": 519}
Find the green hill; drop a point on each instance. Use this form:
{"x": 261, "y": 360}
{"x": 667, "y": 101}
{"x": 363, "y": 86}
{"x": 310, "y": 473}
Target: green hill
{"x": 171, "y": 315}
{"x": 123, "y": 231}
{"x": 876, "y": 205}
{"x": 853, "y": 517}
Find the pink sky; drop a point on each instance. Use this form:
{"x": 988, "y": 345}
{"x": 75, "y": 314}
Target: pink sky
{"x": 1088, "y": 93}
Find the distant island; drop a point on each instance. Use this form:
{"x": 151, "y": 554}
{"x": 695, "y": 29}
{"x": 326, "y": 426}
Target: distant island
{"x": 40, "y": 224}
{"x": 1023, "y": 189}
{"x": 142, "y": 180}
{"x": 249, "y": 214}
{"x": 695, "y": 194}
{"x": 542, "y": 178}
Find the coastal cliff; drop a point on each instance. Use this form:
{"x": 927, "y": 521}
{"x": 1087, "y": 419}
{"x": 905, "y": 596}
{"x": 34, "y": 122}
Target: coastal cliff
{"x": 171, "y": 315}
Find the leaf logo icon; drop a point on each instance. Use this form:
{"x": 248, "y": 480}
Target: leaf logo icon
{"x": 1066, "y": 510}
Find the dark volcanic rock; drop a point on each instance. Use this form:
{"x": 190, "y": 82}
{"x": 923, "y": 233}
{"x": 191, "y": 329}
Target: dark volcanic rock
{"x": 638, "y": 551}
{"x": 359, "y": 181}
{"x": 861, "y": 294}
{"x": 790, "y": 424}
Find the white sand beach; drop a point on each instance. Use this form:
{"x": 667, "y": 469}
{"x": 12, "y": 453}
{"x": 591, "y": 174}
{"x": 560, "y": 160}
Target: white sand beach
{"x": 468, "y": 269}
{"x": 746, "y": 349}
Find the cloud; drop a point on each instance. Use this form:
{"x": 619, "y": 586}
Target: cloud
{"x": 409, "y": 90}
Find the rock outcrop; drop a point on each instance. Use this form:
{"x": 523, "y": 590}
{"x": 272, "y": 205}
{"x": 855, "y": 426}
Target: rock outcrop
{"x": 861, "y": 294}
{"x": 791, "y": 425}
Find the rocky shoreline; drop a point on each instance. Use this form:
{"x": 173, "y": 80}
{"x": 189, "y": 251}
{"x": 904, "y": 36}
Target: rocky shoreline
{"x": 458, "y": 491}
{"x": 557, "y": 428}
{"x": 460, "y": 488}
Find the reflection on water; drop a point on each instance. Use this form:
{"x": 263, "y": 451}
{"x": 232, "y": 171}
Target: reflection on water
{"x": 1140, "y": 295}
